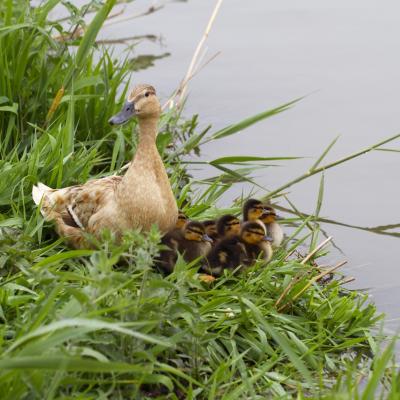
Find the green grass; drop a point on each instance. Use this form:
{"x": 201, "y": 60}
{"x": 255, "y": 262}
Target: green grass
{"x": 93, "y": 324}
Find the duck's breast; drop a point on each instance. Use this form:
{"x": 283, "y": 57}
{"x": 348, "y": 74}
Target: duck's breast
{"x": 146, "y": 203}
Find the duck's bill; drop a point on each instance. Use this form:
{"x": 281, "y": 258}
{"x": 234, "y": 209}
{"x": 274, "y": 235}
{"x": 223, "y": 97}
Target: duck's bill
{"x": 127, "y": 112}
{"x": 268, "y": 238}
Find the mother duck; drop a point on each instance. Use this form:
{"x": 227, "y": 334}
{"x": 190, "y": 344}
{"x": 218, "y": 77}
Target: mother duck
{"x": 140, "y": 198}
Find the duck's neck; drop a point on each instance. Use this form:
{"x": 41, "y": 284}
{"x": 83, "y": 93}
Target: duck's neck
{"x": 147, "y": 136}
{"x": 144, "y": 195}
{"x": 147, "y": 164}
{"x": 146, "y": 153}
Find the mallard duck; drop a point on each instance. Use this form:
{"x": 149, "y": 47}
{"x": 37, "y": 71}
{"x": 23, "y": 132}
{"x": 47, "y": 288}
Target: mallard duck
{"x": 192, "y": 241}
{"x": 257, "y": 243}
{"x": 252, "y": 210}
{"x": 211, "y": 229}
{"x": 228, "y": 253}
{"x": 139, "y": 199}
{"x": 228, "y": 226}
{"x": 274, "y": 230}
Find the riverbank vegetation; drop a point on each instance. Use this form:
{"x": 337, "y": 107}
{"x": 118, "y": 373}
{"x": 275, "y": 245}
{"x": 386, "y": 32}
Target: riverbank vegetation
{"x": 103, "y": 323}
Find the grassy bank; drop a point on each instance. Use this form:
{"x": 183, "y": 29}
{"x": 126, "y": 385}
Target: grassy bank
{"x": 93, "y": 324}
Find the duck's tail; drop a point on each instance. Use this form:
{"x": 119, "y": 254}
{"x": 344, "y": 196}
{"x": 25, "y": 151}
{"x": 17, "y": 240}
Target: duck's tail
{"x": 40, "y": 196}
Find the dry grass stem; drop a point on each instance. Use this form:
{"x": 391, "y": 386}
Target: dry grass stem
{"x": 170, "y": 101}
{"x": 319, "y": 247}
{"x": 318, "y": 277}
{"x": 289, "y": 254}
{"x": 347, "y": 280}
{"x": 295, "y": 279}
{"x": 180, "y": 93}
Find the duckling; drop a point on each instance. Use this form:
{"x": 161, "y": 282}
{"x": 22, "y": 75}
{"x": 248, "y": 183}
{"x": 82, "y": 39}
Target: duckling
{"x": 182, "y": 220}
{"x": 167, "y": 257}
{"x": 192, "y": 241}
{"x": 211, "y": 229}
{"x": 253, "y": 235}
{"x": 118, "y": 203}
{"x": 252, "y": 210}
{"x": 228, "y": 253}
{"x": 228, "y": 226}
{"x": 166, "y": 260}
{"x": 268, "y": 218}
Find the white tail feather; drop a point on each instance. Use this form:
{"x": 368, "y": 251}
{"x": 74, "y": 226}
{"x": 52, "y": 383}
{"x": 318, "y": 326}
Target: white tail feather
{"x": 41, "y": 186}
{"x": 37, "y": 195}
{"x": 40, "y": 196}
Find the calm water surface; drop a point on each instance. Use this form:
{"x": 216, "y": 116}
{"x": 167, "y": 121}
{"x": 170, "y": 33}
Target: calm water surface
{"x": 346, "y": 56}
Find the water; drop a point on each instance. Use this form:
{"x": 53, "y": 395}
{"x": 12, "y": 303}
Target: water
{"x": 346, "y": 57}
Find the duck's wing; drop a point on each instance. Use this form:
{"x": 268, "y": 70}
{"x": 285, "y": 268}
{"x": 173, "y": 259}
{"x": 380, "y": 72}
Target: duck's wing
{"x": 78, "y": 202}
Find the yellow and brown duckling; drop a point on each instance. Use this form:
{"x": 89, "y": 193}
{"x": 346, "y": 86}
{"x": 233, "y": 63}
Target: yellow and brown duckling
{"x": 228, "y": 253}
{"x": 169, "y": 255}
{"x": 192, "y": 241}
{"x": 182, "y": 220}
{"x": 211, "y": 229}
{"x": 243, "y": 249}
{"x": 252, "y": 210}
{"x": 228, "y": 226}
{"x": 257, "y": 243}
{"x": 195, "y": 242}
{"x": 166, "y": 260}
{"x": 274, "y": 230}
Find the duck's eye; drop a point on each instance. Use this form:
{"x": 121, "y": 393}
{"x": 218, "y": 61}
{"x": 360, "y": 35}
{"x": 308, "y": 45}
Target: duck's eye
{"x": 147, "y": 94}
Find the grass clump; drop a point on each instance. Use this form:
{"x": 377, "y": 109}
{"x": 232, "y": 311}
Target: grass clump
{"x": 103, "y": 323}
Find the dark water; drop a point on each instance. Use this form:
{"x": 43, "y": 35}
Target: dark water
{"x": 346, "y": 56}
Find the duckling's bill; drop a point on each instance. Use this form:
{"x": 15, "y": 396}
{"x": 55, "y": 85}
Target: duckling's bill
{"x": 207, "y": 238}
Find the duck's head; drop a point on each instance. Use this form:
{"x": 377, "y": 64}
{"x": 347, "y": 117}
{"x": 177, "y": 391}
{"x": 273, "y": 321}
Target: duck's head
{"x": 195, "y": 231}
{"x": 142, "y": 102}
{"x": 268, "y": 216}
{"x": 182, "y": 220}
{"x": 211, "y": 228}
{"x": 252, "y": 210}
{"x": 228, "y": 226}
{"x": 254, "y": 233}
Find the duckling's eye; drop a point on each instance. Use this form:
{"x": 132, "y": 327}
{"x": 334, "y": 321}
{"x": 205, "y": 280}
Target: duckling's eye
{"x": 147, "y": 94}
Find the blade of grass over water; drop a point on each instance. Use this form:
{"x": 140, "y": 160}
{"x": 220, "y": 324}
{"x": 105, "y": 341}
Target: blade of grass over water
{"x": 380, "y": 229}
{"x": 318, "y": 170}
{"x": 323, "y": 155}
{"x": 235, "y": 128}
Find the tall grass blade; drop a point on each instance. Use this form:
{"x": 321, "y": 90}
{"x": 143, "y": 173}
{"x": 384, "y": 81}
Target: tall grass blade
{"x": 88, "y": 40}
{"x": 232, "y": 129}
{"x": 325, "y": 152}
